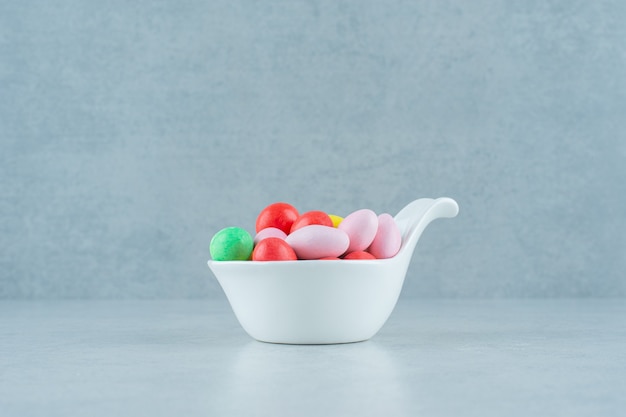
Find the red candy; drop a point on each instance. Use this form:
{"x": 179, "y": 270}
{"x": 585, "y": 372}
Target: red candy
{"x": 273, "y": 249}
{"x": 278, "y": 215}
{"x": 359, "y": 254}
{"x": 312, "y": 217}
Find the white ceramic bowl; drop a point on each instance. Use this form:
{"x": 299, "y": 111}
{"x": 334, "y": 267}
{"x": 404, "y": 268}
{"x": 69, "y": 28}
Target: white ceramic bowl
{"x": 321, "y": 302}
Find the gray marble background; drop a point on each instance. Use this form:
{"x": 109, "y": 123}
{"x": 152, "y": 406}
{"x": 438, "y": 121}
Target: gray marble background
{"x": 131, "y": 132}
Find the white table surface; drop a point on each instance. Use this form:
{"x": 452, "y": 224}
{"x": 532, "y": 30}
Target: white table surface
{"x": 432, "y": 358}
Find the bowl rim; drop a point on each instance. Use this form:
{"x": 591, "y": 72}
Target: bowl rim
{"x": 305, "y": 261}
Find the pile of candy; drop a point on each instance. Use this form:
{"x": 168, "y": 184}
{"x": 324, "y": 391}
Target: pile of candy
{"x": 285, "y": 235}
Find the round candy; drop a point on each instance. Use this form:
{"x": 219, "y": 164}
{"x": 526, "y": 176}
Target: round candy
{"x": 317, "y": 241}
{"x": 278, "y": 215}
{"x": 231, "y": 244}
{"x": 335, "y": 219}
{"x": 388, "y": 238}
{"x": 273, "y": 249}
{"x": 359, "y": 254}
{"x": 311, "y": 217}
{"x": 269, "y": 232}
{"x": 361, "y": 227}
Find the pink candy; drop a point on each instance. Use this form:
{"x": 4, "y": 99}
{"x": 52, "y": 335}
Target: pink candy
{"x": 317, "y": 241}
{"x": 388, "y": 238}
{"x": 269, "y": 232}
{"x": 361, "y": 227}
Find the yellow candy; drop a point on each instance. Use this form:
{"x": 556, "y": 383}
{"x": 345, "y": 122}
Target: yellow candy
{"x": 336, "y": 219}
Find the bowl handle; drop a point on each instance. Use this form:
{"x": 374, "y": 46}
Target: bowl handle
{"x": 415, "y": 216}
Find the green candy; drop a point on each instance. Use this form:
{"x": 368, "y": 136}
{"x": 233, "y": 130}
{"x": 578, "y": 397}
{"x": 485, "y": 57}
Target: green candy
{"x": 231, "y": 244}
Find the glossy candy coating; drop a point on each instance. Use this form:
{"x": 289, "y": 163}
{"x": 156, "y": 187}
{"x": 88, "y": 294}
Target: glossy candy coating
{"x": 359, "y": 255}
{"x": 273, "y": 249}
{"x": 388, "y": 239}
{"x": 317, "y": 241}
{"x": 279, "y": 215}
{"x": 231, "y": 244}
{"x": 269, "y": 232}
{"x": 311, "y": 217}
{"x": 361, "y": 227}
{"x": 312, "y": 235}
